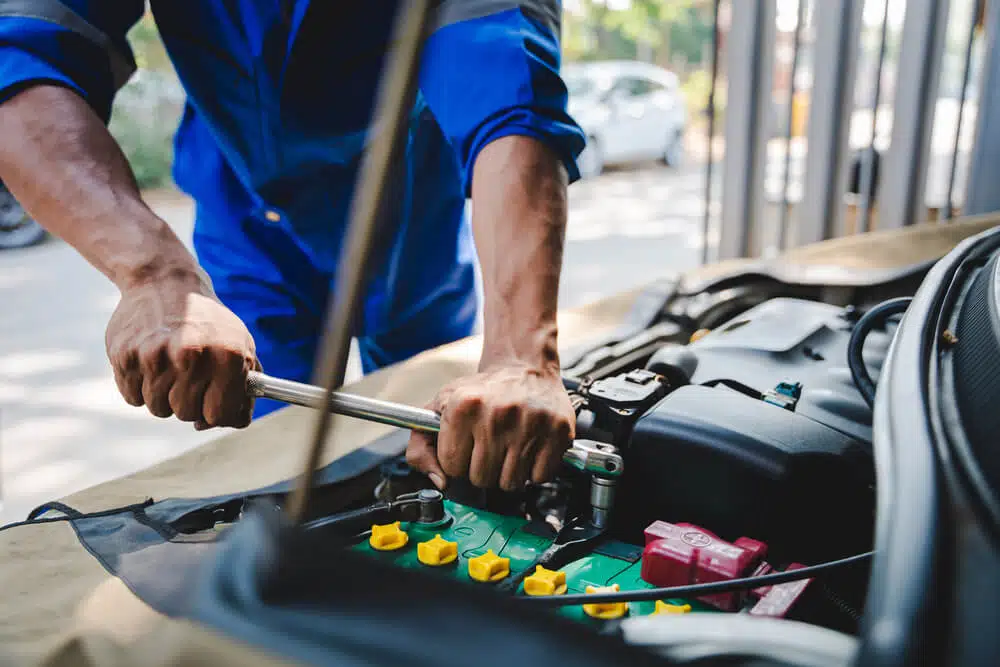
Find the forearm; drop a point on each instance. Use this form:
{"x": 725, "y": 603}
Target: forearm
{"x": 519, "y": 222}
{"x": 65, "y": 168}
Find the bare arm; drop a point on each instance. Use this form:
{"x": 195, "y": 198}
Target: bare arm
{"x": 513, "y": 420}
{"x": 172, "y": 345}
{"x": 519, "y": 222}
{"x": 66, "y": 169}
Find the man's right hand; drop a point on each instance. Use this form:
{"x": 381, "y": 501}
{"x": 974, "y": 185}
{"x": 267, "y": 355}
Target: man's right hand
{"x": 177, "y": 350}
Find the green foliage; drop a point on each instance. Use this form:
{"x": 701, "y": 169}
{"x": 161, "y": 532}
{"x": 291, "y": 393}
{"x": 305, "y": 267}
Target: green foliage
{"x": 147, "y": 109}
{"x": 696, "y": 89}
{"x": 647, "y": 21}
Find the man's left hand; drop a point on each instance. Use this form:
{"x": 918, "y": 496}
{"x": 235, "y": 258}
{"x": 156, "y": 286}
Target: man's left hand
{"x": 504, "y": 425}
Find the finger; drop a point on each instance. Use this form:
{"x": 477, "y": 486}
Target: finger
{"x": 201, "y": 425}
{"x": 455, "y": 442}
{"x": 487, "y": 456}
{"x": 422, "y": 455}
{"x": 226, "y": 400}
{"x": 156, "y": 392}
{"x": 551, "y": 451}
{"x": 517, "y": 467}
{"x": 187, "y": 396}
{"x": 129, "y": 385}
{"x": 508, "y": 438}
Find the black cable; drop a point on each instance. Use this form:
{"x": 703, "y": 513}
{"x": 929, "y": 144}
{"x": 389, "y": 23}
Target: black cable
{"x": 698, "y": 590}
{"x": 856, "y": 345}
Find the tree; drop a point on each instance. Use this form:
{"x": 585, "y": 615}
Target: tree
{"x": 642, "y": 29}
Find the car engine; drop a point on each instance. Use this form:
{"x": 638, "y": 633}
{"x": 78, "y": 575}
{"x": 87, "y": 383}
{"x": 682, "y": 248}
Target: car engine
{"x": 746, "y": 451}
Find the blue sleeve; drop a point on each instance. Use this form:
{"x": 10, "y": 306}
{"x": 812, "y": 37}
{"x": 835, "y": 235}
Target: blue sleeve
{"x": 497, "y": 75}
{"x": 79, "y": 44}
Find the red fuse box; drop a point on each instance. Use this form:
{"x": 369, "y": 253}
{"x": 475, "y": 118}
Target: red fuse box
{"x": 682, "y": 554}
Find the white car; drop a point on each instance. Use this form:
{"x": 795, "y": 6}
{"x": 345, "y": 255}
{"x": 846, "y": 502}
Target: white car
{"x": 631, "y": 111}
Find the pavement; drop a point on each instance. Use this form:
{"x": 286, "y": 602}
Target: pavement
{"x": 63, "y": 425}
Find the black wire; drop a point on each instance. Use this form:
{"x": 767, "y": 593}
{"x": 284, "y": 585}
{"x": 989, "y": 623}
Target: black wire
{"x": 856, "y": 345}
{"x": 698, "y": 590}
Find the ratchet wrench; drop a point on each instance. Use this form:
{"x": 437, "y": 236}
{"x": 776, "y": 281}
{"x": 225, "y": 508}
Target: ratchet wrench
{"x": 585, "y": 455}
{"x": 349, "y": 405}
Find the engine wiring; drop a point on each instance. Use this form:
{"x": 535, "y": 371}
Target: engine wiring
{"x": 745, "y": 583}
{"x": 855, "y": 346}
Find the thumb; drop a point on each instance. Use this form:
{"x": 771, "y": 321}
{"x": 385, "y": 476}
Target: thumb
{"x": 421, "y": 454}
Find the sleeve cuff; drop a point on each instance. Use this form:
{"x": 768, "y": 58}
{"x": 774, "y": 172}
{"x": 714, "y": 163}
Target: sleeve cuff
{"x": 562, "y": 136}
{"x": 20, "y": 70}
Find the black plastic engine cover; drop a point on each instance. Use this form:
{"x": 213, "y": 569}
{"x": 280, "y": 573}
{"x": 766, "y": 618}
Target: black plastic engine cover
{"x": 793, "y": 341}
{"x": 739, "y": 466}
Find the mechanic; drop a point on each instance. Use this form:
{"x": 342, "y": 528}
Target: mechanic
{"x": 280, "y": 94}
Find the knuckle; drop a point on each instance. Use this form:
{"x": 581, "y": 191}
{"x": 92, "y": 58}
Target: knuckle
{"x": 150, "y": 357}
{"x": 186, "y": 355}
{"x": 505, "y": 416}
{"x": 467, "y": 403}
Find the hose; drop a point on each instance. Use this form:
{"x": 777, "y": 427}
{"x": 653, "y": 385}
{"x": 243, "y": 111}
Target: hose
{"x": 698, "y": 590}
{"x": 856, "y": 345}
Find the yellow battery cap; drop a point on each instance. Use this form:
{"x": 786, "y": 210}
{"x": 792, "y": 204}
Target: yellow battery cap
{"x": 437, "y": 551}
{"x": 545, "y": 582}
{"x": 605, "y": 610}
{"x": 666, "y": 608}
{"x": 489, "y": 567}
{"x": 388, "y": 538}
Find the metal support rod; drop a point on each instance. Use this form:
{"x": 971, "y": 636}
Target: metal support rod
{"x": 949, "y": 208}
{"x": 796, "y": 47}
{"x": 710, "y": 167}
{"x": 982, "y": 194}
{"x": 820, "y": 214}
{"x": 902, "y": 197}
{"x": 750, "y": 68}
{"x": 395, "y": 98}
{"x": 866, "y": 178}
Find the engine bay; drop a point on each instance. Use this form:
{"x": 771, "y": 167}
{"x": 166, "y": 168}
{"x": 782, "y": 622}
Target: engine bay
{"x": 745, "y": 452}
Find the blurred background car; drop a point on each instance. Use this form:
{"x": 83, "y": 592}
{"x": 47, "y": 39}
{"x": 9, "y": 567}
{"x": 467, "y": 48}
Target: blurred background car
{"x": 631, "y": 111}
{"x": 17, "y": 228}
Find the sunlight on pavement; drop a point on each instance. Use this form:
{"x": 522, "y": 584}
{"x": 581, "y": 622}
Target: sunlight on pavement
{"x": 19, "y": 365}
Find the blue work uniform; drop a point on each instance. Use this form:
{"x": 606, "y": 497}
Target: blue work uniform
{"x": 280, "y": 94}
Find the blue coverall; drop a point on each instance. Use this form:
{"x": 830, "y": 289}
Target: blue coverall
{"x": 279, "y": 97}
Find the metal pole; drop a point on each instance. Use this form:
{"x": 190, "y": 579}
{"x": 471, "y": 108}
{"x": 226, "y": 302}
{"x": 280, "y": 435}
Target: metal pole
{"x": 982, "y": 194}
{"x": 709, "y": 168}
{"x": 797, "y": 44}
{"x": 748, "y": 122}
{"x": 902, "y": 198}
{"x": 396, "y": 94}
{"x": 819, "y": 215}
{"x": 949, "y": 207}
{"x": 866, "y": 174}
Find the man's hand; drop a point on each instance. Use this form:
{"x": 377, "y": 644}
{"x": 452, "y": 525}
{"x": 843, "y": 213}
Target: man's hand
{"x": 503, "y": 426}
{"x": 513, "y": 420}
{"x": 177, "y": 350}
{"x": 172, "y": 345}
